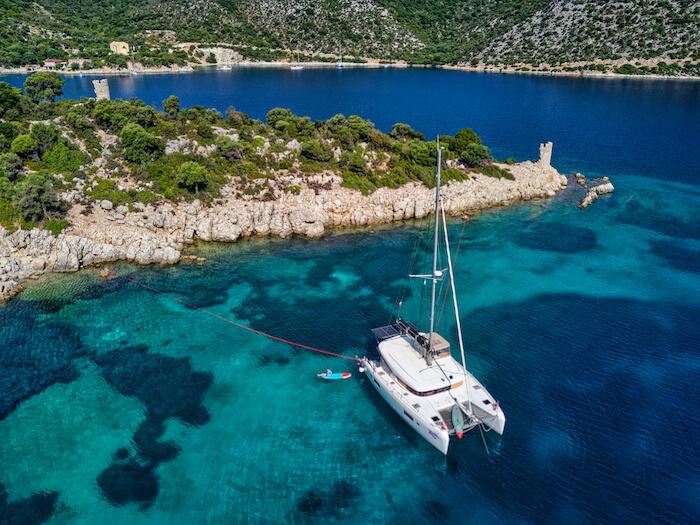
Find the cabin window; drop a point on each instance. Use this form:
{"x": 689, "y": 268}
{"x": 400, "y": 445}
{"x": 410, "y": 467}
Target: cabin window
{"x": 430, "y": 392}
{"x": 423, "y": 394}
{"x": 408, "y": 415}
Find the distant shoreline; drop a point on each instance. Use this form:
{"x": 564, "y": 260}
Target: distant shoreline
{"x": 375, "y": 64}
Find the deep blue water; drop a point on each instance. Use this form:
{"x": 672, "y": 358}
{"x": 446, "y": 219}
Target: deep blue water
{"x": 120, "y": 405}
{"x": 635, "y": 126}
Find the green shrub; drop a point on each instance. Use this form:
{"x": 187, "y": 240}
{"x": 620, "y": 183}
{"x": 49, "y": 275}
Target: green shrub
{"x": 314, "y": 150}
{"x": 138, "y": 145}
{"x": 9, "y": 130}
{"x": 45, "y": 136}
{"x": 56, "y": 226}
{"x": 36, "y": 199}
{"x": 276, "y": 115}
{"x": 63, "y": 159}
{"x": 474, "y": 155}
{"x": 10, "y": 166}
{"x": 106, "y": 189}
{"x": 147, "y": 197}
{"x": 355, "y": 163}
{"x": 44, "y": 86}
{"x": 463, "y": 138}
{"x": 11, "y": 100}
{"x": 228, "y": 149}
{"x": 171, "y": 105}
{"x": 627, "y": 69}
{"x": 23, "y": 145}
{"x": 454, "y": 174}
{"x": 7, "y": 215}
{"x": 192, "y": 176}
{"x": 402, "y": 131}
{"x": 204, "y": 131}
{"x": 115, "y": 114}
{"x": 495, "y": 171}
{"x": 358, "y": 182}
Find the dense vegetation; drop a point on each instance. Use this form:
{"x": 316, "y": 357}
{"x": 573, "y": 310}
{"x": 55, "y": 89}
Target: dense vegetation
{"x": 127, "y": 152}
{"x": 551, "y": 34}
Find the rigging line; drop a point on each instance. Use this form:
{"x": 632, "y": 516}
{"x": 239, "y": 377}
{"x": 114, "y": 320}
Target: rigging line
{"x": 483, "y": 438}
{"x": 459, "y": 245}
{"x": 240, "y": 325}
{"x": 404, "y": 286}
{"x": 456, "y": 307}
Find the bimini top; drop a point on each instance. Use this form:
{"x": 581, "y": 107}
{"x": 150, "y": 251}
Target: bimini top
{"x": 409, "y": 366}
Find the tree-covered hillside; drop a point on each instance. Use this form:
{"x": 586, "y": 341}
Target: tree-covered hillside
{"x": 555, "y": 33}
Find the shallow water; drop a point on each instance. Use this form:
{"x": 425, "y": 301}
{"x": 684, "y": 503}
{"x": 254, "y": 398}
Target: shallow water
{"x": 124, "y": 404}
{"x": 121, "y": 405}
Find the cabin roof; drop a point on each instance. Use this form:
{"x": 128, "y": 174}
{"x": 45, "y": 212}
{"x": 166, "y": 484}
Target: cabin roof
{"x": 409, "y": 366}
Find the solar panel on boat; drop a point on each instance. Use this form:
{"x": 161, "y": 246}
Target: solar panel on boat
{"x": 386, "y": 332}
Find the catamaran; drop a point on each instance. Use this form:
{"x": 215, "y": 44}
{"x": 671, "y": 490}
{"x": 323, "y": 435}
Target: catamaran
{"x": 416, "y": 373}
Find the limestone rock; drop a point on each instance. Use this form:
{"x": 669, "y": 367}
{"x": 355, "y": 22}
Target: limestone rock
{"x": 596, "y": 191}
{"x": 157, "y": 234}
{"x": 604, "y": 188}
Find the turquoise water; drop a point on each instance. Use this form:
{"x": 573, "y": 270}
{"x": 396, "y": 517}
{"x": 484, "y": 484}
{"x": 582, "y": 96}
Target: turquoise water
{"x": 124, "y": 406}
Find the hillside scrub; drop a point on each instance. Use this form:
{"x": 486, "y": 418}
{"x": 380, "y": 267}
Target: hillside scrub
{"x": 567, "y": 35}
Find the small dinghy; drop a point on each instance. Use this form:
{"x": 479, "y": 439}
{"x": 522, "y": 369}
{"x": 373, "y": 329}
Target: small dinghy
{"x": 334, "y": 376}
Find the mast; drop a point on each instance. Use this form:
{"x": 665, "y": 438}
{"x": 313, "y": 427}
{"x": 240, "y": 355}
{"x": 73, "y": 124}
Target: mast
{"x": 436, "y": 274}
{"x": 467, "y": 382}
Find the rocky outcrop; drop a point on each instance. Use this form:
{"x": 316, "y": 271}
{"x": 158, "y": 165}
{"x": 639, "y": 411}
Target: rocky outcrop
{"x": 157, "y": 234}
{"x": 593, "y": 193}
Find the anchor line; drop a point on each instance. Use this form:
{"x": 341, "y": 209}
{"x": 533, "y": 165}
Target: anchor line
{"x": 241, "y": 325}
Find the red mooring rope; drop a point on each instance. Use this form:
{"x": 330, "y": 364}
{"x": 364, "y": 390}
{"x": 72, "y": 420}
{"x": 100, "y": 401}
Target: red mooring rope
{"x": 242, "y": 326}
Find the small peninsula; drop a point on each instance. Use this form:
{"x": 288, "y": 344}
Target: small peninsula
{"x": 92, "y": 181}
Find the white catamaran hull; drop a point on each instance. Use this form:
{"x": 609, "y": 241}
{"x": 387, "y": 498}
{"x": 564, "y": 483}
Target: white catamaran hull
{"x": 428, "y": 415}
{"x": 437, "y": 437}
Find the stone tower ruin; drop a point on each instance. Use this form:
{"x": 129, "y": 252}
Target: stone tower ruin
{"x": 546, "y": 153}
{"x": 101, "y": 89}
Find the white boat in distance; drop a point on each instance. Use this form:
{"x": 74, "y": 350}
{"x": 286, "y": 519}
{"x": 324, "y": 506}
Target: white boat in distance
{"x": 416, "y": 373}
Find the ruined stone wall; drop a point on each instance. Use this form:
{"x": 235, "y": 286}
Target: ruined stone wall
{"x": 546, "y": 153}
{"x": 101, "y": 89}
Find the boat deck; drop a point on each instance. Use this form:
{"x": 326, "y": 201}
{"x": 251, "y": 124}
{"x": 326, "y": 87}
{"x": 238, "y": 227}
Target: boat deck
{"x": 446, "y": 416}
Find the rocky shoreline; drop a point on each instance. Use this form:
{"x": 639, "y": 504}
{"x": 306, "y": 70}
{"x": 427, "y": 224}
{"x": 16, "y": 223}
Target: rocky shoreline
{"x": 368, "y": 64}
{"x": 158, "y": 234}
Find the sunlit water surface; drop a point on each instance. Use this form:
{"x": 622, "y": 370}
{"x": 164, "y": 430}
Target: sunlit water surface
{"x": 123, "y": 406}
